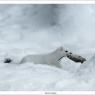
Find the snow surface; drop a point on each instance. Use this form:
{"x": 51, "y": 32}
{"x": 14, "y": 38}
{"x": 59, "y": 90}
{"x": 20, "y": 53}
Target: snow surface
{"x": 36, "y": 29}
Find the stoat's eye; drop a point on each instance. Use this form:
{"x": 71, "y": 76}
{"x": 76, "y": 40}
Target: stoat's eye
{"x": 66, "y": 51}
{"x": 70, "y": 53}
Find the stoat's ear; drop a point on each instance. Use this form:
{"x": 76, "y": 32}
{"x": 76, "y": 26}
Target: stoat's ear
{"x": 60, "y": 48}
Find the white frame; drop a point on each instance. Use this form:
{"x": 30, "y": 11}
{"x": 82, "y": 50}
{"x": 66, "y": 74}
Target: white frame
{"x": 47, "y": 92}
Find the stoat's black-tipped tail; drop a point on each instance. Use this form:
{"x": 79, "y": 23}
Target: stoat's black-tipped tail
{"x": 7, "y": 60}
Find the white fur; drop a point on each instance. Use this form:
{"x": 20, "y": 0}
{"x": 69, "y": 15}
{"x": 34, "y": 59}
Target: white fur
{"x": 50, "y": 58}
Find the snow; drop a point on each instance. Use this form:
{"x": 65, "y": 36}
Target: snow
{"x": 38, "y": 29}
